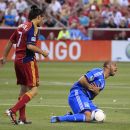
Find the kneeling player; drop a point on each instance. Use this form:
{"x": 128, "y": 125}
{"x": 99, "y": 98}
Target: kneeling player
{"x": 84, "y": 91}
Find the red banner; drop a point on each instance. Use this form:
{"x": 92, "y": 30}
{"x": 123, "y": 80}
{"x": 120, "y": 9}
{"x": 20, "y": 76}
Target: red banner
{"x": 69, "y": 50}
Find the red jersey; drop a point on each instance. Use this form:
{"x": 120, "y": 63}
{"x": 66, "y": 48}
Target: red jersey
{"x": 23, "y": 36}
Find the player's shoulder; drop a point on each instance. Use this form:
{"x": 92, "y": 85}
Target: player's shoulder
{"x": 97, "y": 70}
{"x": 26, "y": 26}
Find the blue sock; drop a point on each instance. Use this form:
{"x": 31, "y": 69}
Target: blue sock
{"x": 73, "y": 118}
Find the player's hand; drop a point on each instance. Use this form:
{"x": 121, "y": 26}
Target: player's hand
{"x": 2, "y": 61}
{"x": 45, "y": 53}
{"x": 95, "y": 88}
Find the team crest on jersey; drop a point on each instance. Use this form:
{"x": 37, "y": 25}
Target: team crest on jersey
{"x": 33, "y": 39}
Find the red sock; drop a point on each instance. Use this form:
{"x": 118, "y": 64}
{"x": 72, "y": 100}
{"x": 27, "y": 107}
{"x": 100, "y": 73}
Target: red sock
{"x": 25, "y": 99}
{"x": 22, "y": 114}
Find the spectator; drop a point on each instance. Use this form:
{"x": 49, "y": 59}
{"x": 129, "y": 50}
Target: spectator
{"x": 76, "y": 34}
{"x": 55, "y": 6}
{"x": 62, "y": 21}
{"x": 123, "y": 2}
{"x": 73, "y": 18}
{"x": 63, "y": 34}
{"x": 85, "y": 1}
{"x": 14, "y": 1}
{"x": 92, "y": 23}
{"x": 41, "y": 37}
{"x": 94, "y": 6}
{"x": 9, "y": 19}
{"x": 83, "y": 20}
{"x": 116, "y": 37}
{"x": 68, "y": 14}
{"x": 102, "y": 23}
{"x": 12, "y": 9}
{"x": 94, "y": 13}
{"x": 2, "y": 5}
{"x": 117, "y": 16}
{"x": 122, "y": 36}
{"x": 111, "y": 23}
{"x": 72, "y": 3}
{"x": 105, "y": 2}
{"x": 66, "y": 10}
{"x": 50, "y": 22}
{"x": 106, "y": 13}
{"x": 62, "y": 2}
{"x": 51, "y": 36}
{"x": 21, "y": 5}
{"x": 123, "y": 23}
{"x": 1, "y": 18}
{"x": 20, "y": 19}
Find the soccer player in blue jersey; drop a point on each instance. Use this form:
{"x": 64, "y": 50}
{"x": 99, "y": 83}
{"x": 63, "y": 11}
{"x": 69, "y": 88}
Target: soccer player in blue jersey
{"x": 84, "y": 91}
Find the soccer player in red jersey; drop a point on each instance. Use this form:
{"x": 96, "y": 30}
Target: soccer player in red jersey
{"x": 25, "y": 38}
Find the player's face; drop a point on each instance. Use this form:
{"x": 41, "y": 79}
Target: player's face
{"x": 113, "y": 69}
{"x": 40, "y": 20}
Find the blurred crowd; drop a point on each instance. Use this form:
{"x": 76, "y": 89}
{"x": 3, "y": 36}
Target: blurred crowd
{"x": 77, "y": 15}
{"x": 13, "y": 12}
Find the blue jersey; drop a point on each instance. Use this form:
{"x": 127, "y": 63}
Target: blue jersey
{"x": 96, "y": 76}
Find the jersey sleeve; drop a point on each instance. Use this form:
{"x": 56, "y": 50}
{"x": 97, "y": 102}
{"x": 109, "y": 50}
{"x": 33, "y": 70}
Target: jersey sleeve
{"x": 102, "y": 84}
{"x": 89, "y": 76}
{"x": 31, "y": 39}
{"x": 13, "y": 37}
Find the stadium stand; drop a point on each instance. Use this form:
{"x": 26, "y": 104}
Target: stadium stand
{"x": 86, "y": 14}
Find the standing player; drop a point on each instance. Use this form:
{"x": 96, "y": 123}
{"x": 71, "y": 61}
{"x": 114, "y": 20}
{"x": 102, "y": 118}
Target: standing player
{"x": 84, "y": 91}
{"x": 25, "y": 38}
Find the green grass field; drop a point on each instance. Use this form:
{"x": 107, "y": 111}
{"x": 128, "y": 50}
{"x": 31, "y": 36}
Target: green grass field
{"x": 56, "y": 80}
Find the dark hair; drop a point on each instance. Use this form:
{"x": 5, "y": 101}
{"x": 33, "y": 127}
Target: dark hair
{"x": 106, "y": 63}
{"x": 34, "y": 12}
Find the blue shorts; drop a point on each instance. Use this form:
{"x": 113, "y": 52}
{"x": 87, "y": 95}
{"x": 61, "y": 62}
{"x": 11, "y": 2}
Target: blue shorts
{"x": 79, "y": 102}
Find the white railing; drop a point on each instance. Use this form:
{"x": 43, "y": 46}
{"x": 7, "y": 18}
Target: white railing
{"x": 90, "y": 30}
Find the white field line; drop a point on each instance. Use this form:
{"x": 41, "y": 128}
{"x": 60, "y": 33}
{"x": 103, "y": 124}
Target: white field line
{"x": 62, "y": 106}
{"x": 57, "y": 83}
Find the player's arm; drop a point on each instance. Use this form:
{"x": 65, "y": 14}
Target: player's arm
{"x": 6, "y": 52}
{"x": 84, "y": 82}
{"x": 37, "y": 50}
{"x": 8, "y": 47}
{"x": 31, "y": 40}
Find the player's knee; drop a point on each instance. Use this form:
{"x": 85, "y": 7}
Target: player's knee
{"x": 34, "y": 91}
{"x": 88, "y": 116}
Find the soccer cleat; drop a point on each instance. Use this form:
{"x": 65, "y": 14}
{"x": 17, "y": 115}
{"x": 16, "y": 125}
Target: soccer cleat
{"x": 12, "y": 116}
{"x": 20, "y": 122}
{"x": 54, "y": 119}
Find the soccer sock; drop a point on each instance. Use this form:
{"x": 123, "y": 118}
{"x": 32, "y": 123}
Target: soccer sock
{"x": 25, "y": 99}
{"x": 22, "y": 115}
{"x": 73, "y": 118}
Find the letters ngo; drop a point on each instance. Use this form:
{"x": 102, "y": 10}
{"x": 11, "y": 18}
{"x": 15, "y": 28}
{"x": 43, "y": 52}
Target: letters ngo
{"x": 59, "y": 50}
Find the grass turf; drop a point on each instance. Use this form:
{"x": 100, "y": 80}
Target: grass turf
{"x": 56, "y": 80}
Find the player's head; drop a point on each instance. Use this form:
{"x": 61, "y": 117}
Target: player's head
{"x": 36, "y": 14}
{"x": 110, "y": 67}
